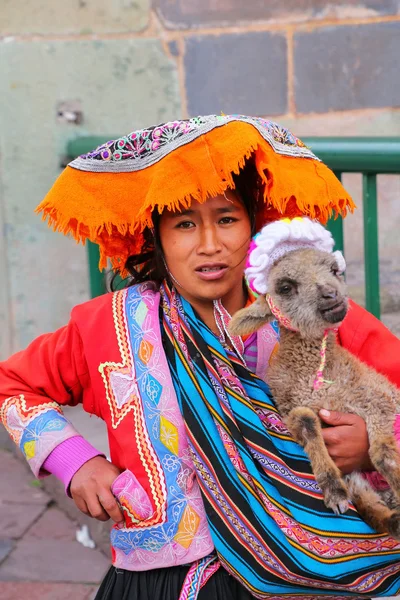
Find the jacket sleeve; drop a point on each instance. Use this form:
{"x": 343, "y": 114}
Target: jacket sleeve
{"x": 368, "y": 339}
{"x": 34, "y": 384}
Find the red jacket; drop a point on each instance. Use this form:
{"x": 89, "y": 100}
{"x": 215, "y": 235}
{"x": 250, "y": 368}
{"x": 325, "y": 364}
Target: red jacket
{"x": 70, "y": 366}
{"x": 63, "y": 366}
{"x": 366, "y": 337}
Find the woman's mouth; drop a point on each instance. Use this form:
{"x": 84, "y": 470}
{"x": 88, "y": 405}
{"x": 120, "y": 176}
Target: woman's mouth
{"x": 211, "y": 271}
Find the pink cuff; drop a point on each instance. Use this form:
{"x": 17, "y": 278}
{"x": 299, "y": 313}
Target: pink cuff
{"x": 68, "y": 457}
{"x": 374, "y": 478}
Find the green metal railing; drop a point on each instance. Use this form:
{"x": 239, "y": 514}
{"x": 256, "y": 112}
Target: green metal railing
{"x": 97, "y": 281}
{"x": 371, "y": 157}
{"x": 368, "y": 156}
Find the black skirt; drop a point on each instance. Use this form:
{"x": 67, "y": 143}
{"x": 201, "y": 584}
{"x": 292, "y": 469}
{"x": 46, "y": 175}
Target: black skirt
{"x": 166, "y": 584}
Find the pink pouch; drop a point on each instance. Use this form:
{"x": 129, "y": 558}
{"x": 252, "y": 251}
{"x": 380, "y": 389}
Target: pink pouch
{"x": 132, "y": 498}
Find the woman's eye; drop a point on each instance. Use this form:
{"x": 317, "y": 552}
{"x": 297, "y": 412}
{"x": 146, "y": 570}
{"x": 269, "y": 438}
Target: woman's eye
{"x": 185, "y": 225}
{"x": 227, "y": 220}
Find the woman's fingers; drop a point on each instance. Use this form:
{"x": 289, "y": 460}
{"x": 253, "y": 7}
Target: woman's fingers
{"x": 81, "y": 504}
{"x": 101, "y": 506}
{"x": 91, "y": 489}
{"x": 96, "y": 510}
{"x": 111, "y": 506}
{"x": 346, "y": 440}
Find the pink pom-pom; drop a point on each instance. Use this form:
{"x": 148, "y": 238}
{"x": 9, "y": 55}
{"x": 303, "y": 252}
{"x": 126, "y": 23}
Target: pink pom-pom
{"x": 252, "y": 247}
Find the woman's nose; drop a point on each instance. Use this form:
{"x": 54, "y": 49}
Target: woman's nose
{"x": 209, "y": 242}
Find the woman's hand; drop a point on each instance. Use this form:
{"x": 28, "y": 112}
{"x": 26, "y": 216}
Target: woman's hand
{"x": 346, "y": 441}
{"x": 90, "y": 489}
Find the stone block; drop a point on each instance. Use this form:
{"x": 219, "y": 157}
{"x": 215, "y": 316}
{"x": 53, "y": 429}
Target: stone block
{"x": 347, "y": 67}
{"x": 184, "y": 14}
{"x": 75, "y": 16}
{"x": 370, "y": 123}
{"x": 53, "y": 524}
{"x": 5, "y": 549}
{"x": 11, "y": 590}
{"x": 18, "y": 483}
{"x": 121, "y": 85}
{"x": 16, "y": 518}
{"x": 236, "y": 73}
{"x": 6, "y": 442}
{"x": 53, "y": 560}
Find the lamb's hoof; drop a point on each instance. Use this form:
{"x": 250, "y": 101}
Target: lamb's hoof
{"x": 339, "y": 507}
{"x": 394, "y": 525}
{"x": 337, "y": 500}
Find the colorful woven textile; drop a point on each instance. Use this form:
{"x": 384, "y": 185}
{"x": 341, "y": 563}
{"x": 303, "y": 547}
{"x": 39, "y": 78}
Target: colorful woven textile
{"x": 265, "y": 511}
{"x": 108, "y": 195}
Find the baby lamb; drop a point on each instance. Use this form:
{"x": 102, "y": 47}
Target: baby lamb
{"x": 310, "y": 371}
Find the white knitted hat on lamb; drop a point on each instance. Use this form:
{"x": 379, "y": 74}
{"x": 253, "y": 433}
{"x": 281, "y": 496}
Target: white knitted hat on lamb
{"x": 281, "y": 237}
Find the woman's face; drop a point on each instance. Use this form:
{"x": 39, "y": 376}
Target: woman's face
{"x": 205, "y": 249}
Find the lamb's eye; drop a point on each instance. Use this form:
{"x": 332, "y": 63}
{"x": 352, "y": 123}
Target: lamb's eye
{"x": 285, "y": 289}
{"x": 335, "y": 271}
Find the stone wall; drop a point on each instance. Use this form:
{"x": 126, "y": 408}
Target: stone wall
{"x": 322, "y": 68}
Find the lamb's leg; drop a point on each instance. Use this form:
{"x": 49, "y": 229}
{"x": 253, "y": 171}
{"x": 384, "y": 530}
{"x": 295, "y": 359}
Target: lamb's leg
{"x": 372, "y": 507}
{"x": 305, "y": 427}
{"x": 385, "y": 456}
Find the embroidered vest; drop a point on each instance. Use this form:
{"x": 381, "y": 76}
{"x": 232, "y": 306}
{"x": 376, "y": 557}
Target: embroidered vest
{"x": 165, "y": 522}
{"x": 132, "y": 391}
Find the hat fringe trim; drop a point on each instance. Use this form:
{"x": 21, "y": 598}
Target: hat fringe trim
{"x": 293, "y": 186}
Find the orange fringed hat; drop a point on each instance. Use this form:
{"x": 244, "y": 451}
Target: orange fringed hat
{"x": 108, "y": 195}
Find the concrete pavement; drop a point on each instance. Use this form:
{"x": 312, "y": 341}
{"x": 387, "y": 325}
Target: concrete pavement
{"x": 39, "y": 555}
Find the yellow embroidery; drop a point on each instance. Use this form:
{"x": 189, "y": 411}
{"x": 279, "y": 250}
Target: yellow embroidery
{"x": 188, "y": 527}
{"x": 169, "y": 435}
{"x": 29, "y": 449}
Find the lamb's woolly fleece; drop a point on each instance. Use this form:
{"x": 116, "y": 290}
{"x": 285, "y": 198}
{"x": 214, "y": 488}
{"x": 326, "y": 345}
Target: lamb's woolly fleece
{"x": 277, "y": 239}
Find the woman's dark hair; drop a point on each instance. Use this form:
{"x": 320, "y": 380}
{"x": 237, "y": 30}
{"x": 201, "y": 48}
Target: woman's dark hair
{"x": 150, "y": 265}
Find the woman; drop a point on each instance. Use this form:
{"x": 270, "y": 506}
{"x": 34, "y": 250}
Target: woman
{"x": 210, "y": 496}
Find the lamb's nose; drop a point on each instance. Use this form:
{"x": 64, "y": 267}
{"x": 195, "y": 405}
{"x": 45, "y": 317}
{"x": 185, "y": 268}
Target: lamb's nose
{"x": 328, "y": 292}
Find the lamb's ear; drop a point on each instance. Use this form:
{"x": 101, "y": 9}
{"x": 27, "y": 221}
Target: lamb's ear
{"x": 251, "y": 318}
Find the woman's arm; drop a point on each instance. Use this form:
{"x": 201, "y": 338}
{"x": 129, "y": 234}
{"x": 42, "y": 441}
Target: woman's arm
{"x": 34, "y": 385}
{"x": 368, "y": 339}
